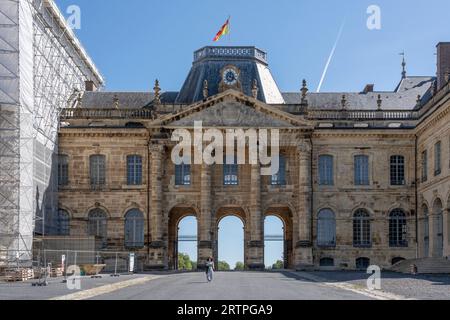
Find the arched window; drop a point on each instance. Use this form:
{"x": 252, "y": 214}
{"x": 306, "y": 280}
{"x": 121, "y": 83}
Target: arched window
{"x": 426, "y": 232}
{"x": 279, "y": 179}
{"x": 361, "y": 229}
{"x": 134, "y": 170}
{"x": 326, "y": 228}
{"x": 438, "y": 229}
{"x": 397, "y": 170}
{"x": 134, "y": 229}
{"x": 398, "y": 233}
{"x": 362, "y": 263}
{"x": 97, "y": 225}
{"x": 63, "y": 223}
{"x": 327, "y": 262}
{"x": 326, "y": 168}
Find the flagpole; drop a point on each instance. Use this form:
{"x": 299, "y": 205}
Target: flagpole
{"x": 229, "y": 29}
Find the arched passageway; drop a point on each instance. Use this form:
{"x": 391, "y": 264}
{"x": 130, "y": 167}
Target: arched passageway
{"x": 183, "y": 237}
{"x": 231, "y": 238}
{"x": 278, "y": 236}
{"x": 274, "y": 255}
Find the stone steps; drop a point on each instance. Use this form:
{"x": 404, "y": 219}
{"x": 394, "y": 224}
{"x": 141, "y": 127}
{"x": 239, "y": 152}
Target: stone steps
{"x": 424, "y": 266}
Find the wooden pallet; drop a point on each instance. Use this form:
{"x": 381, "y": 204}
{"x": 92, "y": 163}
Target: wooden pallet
{"x": 20, "y": 275}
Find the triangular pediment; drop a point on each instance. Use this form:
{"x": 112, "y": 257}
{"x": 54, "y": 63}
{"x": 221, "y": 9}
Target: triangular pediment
{"x": 232, "y": 109}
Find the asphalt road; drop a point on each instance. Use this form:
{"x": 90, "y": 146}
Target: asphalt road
{"x": 232, "y": 286}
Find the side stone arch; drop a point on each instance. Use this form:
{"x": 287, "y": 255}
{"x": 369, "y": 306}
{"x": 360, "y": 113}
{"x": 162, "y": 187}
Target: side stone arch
{"x": 437, "y": 228}
{"x": 286, "y": 214}
{"x": 176, "y": 214}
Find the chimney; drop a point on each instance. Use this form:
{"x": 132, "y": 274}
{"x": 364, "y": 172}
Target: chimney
{"x": 443, "y": 63}
{"x": 369, "y": 88}
{"x": 90, "y": 86}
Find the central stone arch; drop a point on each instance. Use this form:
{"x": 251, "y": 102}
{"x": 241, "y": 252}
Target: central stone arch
{"x": 285, "y": 214}
{"x": 233, "y": 211}
{"x": 176, "y": 214}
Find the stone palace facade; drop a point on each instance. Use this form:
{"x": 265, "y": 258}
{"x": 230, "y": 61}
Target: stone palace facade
{"x": 364, "y": 177}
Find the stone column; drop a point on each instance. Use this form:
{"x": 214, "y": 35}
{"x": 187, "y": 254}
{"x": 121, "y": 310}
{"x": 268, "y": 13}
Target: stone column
{"x": 446, "y": 227}
{"x": 158, "y": 247}
{"x": 256, "y": 243}
{"x": 303, "y": 251}
{"x": 205, "y": 234}
{"x": 432, "y": 235}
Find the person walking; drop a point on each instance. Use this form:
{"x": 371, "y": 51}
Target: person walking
{"x": 209, "y": 269}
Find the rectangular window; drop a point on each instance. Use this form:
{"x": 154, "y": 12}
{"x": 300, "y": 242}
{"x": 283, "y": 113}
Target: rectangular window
{"x": 437, "y": 159}
{"x": 183, "y": 175}
{"x": 97, "y": 171}
{"x": 326, "y": 168}
{"x": 279, "y": 179}
{"x": 63, "y": 170}
{"x": 398, "y": 171}
{"x": 230, "y": 172}
{"x": 134, "y": 170}
{"x": 362, "y": 171}
{"x": 424, "y": 166}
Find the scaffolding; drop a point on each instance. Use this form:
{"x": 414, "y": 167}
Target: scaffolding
{"x": 42, "y": 64}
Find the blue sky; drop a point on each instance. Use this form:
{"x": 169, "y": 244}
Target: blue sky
{"x": 134, "y": 42}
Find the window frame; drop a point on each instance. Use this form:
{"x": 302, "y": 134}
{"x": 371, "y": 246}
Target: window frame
{"x": 424, "y": 165}
{"x": 397, "y": 170}
{"x": 362, "y": 229}
{"x": 279, "y": 179}
{"x": 230, "y": 172}
{"x": 437, "y": 158}
{"x": 100, "y": 218}
{"x": 134, "y": 170}
{"x": 326, "y": 162}
{"x": 398, "y": 229}
{"x": 98, "y": 178}
{"x": 359, "y": 173}
{"x": 325, "y": 224}
{"x": 63, "y": 224}
{"x": 186, "y": 175}
{"x": 134, "y": 218}
{"x": 63, "y": 170}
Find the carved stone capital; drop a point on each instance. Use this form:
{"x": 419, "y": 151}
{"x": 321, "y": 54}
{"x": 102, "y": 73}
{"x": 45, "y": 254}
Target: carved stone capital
{"x": 157, "y": 245}
{"x": 256, "y": 244}
{"x": 303, "y": 244}
{"x": 304, "y": 147}
{"x": 156, "y": 148}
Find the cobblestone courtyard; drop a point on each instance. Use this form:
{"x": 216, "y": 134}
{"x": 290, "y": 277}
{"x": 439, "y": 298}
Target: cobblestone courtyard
{"x": 238, "y": 286}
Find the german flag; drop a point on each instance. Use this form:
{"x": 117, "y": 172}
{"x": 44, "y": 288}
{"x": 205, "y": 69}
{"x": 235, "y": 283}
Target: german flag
{"x": 223, "y": 31}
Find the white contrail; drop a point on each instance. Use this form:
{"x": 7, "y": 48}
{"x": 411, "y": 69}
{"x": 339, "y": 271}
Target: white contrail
{"x": 330, "y": 57}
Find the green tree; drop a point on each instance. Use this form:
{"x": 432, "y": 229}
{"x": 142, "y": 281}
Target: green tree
{"x": 223, "y": 266}
{"x": 184, "y": 262}
{"x": 239, "y": 266}
{"x": 278, "y": 265}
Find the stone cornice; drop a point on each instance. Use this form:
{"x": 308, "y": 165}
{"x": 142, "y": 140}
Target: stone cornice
{"x": 374, "y": 133}
{"x": 432, "y": 119}
{"x": 103, "y": 132}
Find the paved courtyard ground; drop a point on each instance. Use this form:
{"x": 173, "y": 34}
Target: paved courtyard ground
{"x": 238, "y": 286}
